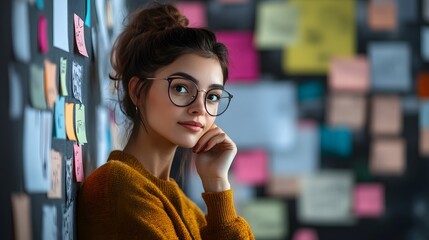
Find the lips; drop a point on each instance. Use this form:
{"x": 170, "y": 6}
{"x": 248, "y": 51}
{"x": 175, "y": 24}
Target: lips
{"x": 191, "y": 125}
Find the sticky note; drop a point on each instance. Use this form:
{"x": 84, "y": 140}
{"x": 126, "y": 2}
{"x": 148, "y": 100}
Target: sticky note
{"x": 347, "y": 110}
{"x": 368, "y": 200}
{"x": 326, "y": 198}
{"x": 21, "y": 34}
{"x": 424, "y": 42}
{"x": 69, "y": 179}
{"x": 244, "y": 59}
{"x": 50, "y": 83}
{"x": 390, "y": 64}
{"x": 331, "y": 33}
{"x": 60, "y": 25}
{"x": 424, "y": 142}
{"x": 88, "y": 13}
{"x": 251, "y": 167}
{"x": 423, "y": 84}
{"x": 56, "y": 175}
{"x": 50, "y": 228}
{"x": 382, "y": 15}
{"x": 80, "y": 124}
{"x": 312, "y": 90}
{"x": 336, "y": 140}
{"x": 21, "y": 210}
{"x": 195, "y": 12}
{"x": 59, "y": 119}
{"x": 424, "y": 114}
{"x": 386, "y": 115}
{"x": 305, "y": 234}
{"x": 43, "y": 34}
{"x": 63, "y": 76}
{"x": 349, "y": 74}
{"x": 79, "y": 31}
{"x": 16, "y": 101}
{"x": 40, "y": 4}
{"x": 68, "y": 220}
{"x": 37, "y": 87}
{"x": 78, "y": 165}
{"x": 277, "y": 24}
{"x": 283, "y": 186}
{"x": 267, "y": 218}
{"x": 69, "y": 117}
{"x": 77, "y": 76}
{"x": 387, "y": 156}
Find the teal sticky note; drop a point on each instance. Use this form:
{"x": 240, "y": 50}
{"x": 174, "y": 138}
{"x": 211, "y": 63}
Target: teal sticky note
{"x": 310, "y": 91}
{"x": 424, "y": 114}
{"x": 336, "y": 140}
{"x": 59, "y": 120}
{"x": 40, "y": 4}
{"x": 88, "y": 13}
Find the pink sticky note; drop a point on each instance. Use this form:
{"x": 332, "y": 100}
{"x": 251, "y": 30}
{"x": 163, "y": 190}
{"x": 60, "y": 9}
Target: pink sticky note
{"x": 349, "y": 74}
{"x": 244, "y": 58}
{"x": 368, "y": 200}
{"x": 305, "y": 234}
{"x": 78, "y": 166}
{"x": 43, "y": 34}
{"x": 195, "y": 12}
{"x": 79, "y": 35}
{"x": 250, "y": 167}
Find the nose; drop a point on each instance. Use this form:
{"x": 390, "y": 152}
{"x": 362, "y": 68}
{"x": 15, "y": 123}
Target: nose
{"x": 197, "y": 107}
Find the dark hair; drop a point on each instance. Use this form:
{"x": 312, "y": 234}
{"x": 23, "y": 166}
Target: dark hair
{"x": 154, "y": 37}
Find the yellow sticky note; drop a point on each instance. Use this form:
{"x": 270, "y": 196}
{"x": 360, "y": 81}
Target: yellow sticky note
{"x": 69, "y": 115}
{"x": 56, "y": 175}
{"x": 50, "y": 83}
{"x": 80, "y": 123}
{"x": 63, "y": 76}
{"x": 326, "y": 29}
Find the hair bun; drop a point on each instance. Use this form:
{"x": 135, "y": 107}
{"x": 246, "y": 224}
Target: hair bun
{"x": 158, "y": 17}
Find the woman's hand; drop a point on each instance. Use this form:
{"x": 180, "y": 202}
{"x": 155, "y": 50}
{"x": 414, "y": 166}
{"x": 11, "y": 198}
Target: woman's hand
{"x": 213, "y": 154}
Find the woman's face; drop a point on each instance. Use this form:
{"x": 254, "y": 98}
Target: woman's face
{"x": 182, "y": 126}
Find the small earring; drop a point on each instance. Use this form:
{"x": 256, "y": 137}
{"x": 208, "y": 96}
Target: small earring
{"x": 137, "y": 109}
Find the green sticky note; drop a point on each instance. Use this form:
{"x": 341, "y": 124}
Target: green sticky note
{"x": 80, "y": 123}
{"x": 37, "y": 87}
{"x": 63, "y": 76}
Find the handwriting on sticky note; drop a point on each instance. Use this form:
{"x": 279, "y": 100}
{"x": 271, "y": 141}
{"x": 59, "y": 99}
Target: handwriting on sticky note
{"x": 387, "y": 156}
{"x": 56, "y": 175}
{"x": 78, "y": 165}
{"x": 80, "y": 35}
{"x": 251, "y": 167}
{"x": 80, "y": 123}
{"x": 368, "y": 200}
{"x": 77, "y": 80}
{"x": 63, "y": 76}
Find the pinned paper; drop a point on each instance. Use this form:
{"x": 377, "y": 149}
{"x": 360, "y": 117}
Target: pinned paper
{"x": 59, "y": 119}
{"x": 63, "y": 76}
{"x": 56, "y": 175}
{"x": 60, "y": 33}
{"x": 423, "y": 85}
{"x": 68, "y": 221}
{"x": 77, "y": 72}
{"x": 305, "y": 234}
{"x": 37, "y": 87}
{"x": 424, "y": 142}
{"x": 251, "y": 167}
{"x": 79, "y": 35}
{"x": 244, "y": 59}
{"x": 43, "y": 34}
{"x": 21, "y": 209}
{"x": 40, "y": 4}
{"x": 368, "y": 200}
{"x": 388, "y": 156}
{"x": 21, "y": 34}
{"x": 347, "y": 110}
{"x": 382, "y": 15}
{"x": 424, "y": 114}
{"x": 69, "y": 179}
{"x": 283, "y": 186}
{"x": 425, "y": 43}
{"x": 390, "y": 66}
{"x": 309, "y": 91}
{"x": 277, "y": 25}
{"x": 50, "y": 228}
{"x": 386, "y": 115}
{"x": 88, "y": 13}
{"x": 326, "y": 198}
{"x": 336, "y": 140}
{"x": 349, "y": 74}
{"x": 69, "y": 116}
{"x": 80, "y": 123}
{"x": 51, "y": 91}
{"x": 267, "y": 218}
{"x": 78, "y": 165}
{"x": 331, "y": 33}
{"x": 16, "y": 95}
{"x": 195, "y": 12}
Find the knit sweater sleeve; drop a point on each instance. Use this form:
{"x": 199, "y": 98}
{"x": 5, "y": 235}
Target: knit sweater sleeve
{"x": 222, "y": 220}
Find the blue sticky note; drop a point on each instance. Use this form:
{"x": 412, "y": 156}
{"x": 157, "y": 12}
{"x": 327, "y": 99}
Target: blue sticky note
{"x": 310, "y": 91}
{"x": 88, "y": 13}
{"x": 424, "y": 114}
{"x": 336, "y": 140}
{"x": 59, "y": 124}
{"x": 40, "y": 4}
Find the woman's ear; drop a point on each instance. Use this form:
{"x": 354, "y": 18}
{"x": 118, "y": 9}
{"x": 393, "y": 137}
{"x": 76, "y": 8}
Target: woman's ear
{"x": 133, "y": 90}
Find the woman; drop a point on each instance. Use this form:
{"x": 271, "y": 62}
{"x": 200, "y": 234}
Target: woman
{"x": 172, "y": 77}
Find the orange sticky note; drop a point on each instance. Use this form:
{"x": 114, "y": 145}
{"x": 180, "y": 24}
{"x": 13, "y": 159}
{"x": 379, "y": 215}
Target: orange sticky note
{"x": 386, "y": 115}
{"x": 387, "y": 156}
{"x": 43, "y": 35}
{"x": 349, "y": 74}
{"x": 78, "y": 166}
{"x": 250, "y": 167}
{"x": 423, "y": 85}
{"x": 56, "y": 175}
{"x": 283, "y": 186}
{"x": 382, "y": 15}
{"x": 80, "y": 35}
{"x": 51, "y": 91}
{"x": 69, "y": 116}
{"x": 368, "y": 200}
{"x": 21, "y": 209}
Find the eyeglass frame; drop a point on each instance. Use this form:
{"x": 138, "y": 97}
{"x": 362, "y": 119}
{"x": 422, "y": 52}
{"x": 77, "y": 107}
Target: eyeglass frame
{"x": 169, "y": 79}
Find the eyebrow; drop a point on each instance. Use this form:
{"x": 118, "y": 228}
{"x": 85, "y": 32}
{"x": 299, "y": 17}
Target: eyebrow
{"x": 187, "y": 76}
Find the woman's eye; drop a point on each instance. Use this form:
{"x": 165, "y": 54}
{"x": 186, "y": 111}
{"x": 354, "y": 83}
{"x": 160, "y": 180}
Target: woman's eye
{"x": 213, "y": 97}
{"x": 181, "y": 89}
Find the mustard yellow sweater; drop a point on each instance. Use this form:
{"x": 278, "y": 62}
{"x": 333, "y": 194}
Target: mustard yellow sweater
{"x": 122, "y": 200}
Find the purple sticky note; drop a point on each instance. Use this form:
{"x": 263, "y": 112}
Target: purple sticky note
{"x": 368, "y": 200}
{"x": 43, "y": 35}
{"x": 250, "y": 167}
{"x": 244, "y": 58}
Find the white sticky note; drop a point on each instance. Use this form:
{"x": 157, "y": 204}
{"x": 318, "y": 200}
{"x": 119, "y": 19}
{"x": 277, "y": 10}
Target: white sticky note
{"x": 261, "y": 115}
{"x": 21, "y": 31}
{"x": 50, "y": 228}
{"x": 60, "y": 34}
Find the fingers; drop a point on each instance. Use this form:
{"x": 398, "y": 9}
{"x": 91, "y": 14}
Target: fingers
{"x": 211, "y": 138}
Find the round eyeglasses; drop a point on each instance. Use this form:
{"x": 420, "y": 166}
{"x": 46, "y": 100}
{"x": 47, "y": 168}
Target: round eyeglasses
{"x": 183, "y": 92}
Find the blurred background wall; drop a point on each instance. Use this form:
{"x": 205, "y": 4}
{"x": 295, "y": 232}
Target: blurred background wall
{"x": 330, "y": 113}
